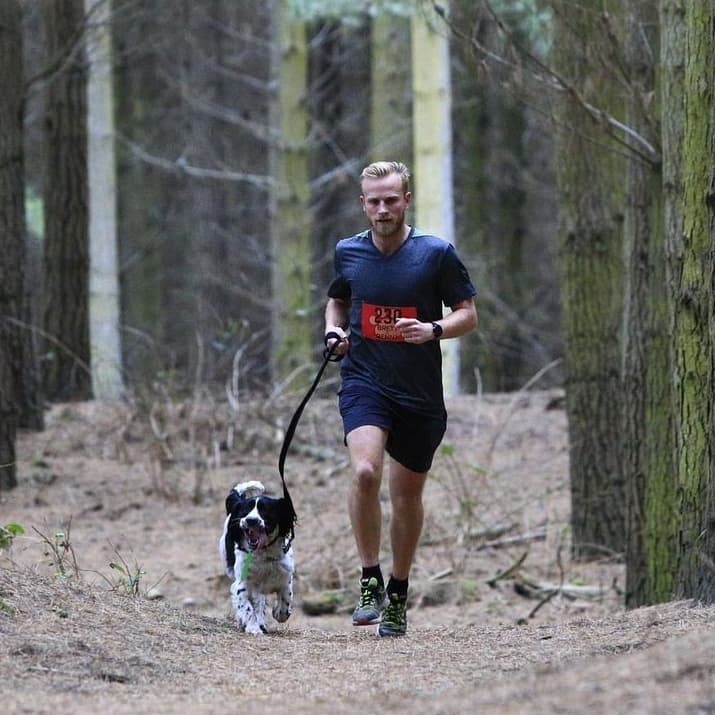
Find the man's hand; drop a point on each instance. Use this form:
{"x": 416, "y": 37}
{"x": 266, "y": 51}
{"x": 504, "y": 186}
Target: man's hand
{"x": 414, "y": 331}
{"x": 343, "y": 343}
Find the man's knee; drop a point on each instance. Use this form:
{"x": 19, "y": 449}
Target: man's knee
{"x": 366, "y": 476}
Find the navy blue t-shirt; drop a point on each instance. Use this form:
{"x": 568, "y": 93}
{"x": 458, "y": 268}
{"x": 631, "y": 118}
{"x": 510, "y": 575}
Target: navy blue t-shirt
{"x": 424, "y": 273}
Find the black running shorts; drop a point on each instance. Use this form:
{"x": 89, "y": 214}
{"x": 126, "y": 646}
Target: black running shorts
{"x": 412, "y": 438}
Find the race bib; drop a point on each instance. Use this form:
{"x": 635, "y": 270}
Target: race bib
{"x": 378, "y": 321}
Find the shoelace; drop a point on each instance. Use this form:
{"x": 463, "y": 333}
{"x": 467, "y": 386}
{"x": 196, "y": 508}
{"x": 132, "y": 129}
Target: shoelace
{"x": 368, "y": 596}
{"x": 394, "y": 611}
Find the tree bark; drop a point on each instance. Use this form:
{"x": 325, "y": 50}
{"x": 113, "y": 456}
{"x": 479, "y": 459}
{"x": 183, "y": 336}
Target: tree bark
{"x": 591, "y": 273}
{"x": 432, "y": 142}
{"x": 66, "y": 364}
{"x": 390, "y": 89}
{"x": 12, "y": 233}
{"x": 104, "y": 311}
{"x": 660, "y": 531}
{"x": 647, "y": 436}
{"x": 291, "y": 343}
{"x": 137, "y": 74}
{"x": 694, "y": 332}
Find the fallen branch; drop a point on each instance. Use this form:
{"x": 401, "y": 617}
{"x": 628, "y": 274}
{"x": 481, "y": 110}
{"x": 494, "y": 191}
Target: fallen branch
{"x": 508, "y": 572}
{"x": 490, "y": 532}
{"x": 538, "y": 535}
{"x": 532, "y": 589}
{"x": 441, "y": 574}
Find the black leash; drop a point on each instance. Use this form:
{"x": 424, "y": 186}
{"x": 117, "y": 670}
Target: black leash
{"x": 328, "y": 356}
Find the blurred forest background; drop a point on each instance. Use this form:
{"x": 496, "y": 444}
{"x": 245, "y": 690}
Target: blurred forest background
{"x": 174, "y": 177}
{"x": 241, "y": 129}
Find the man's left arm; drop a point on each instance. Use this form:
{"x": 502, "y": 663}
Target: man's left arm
{"x": 460, "y": 321}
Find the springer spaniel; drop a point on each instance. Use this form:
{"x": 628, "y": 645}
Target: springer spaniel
{"x": 256, "y": 552}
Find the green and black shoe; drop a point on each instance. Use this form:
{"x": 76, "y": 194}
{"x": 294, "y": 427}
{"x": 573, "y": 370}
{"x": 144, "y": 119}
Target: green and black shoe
{"x": 394, "y": 617}
{"x": 372, "y": 601}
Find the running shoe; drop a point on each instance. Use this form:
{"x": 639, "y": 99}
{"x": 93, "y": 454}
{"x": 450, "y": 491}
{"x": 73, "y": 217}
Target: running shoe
{"x": 372, "y": 601}
{"x": 394, "y": 617}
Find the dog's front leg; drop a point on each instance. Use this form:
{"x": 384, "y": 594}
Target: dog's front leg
{"x": 247, "y": 609}
{"x": 257, "y": 622}
{"x": 283, "y": 605}
{"x": 242, "y": 608}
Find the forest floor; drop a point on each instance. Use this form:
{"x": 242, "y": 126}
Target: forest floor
{"x": 501, "y": 619}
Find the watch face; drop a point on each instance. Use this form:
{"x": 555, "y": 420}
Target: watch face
{"x": 436, "y": 330}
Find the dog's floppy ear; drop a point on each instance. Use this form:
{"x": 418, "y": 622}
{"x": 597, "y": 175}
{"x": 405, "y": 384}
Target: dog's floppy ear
{"x": 228, "y": 553}
{"x": 231, "y": 500}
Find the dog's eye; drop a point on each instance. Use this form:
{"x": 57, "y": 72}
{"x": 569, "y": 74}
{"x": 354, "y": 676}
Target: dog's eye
{"x": 241, "y": 509}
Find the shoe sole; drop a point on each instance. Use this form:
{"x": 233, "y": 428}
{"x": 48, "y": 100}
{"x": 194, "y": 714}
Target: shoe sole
{"x": 366, "y": 621}
{"x": 371, "y": 621}
{"x": 391, "y": 634}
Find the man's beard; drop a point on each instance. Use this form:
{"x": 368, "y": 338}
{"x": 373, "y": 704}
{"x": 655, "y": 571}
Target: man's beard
{"x": 389, "y": 227}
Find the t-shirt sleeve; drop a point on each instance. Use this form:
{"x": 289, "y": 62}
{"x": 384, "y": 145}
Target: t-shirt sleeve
{"x": 339, "y": 288}
{"x": 454, "y": 281}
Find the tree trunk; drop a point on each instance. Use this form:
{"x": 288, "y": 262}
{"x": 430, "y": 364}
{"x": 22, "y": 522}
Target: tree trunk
{"x": 205, "y": 295}
{"x": 694, "y": 332}
{"x": 432, "y": 141}
{"x": 136, "y": 42}
{"x": 390, "y": 102}
{"x": 339, "y": 90}
{"x": 660, "y": 535}
{"x": 291, "y": 343}
{"x": 647, "y": 444}
{"x": 28, "y": 396}
{"x": 104, "y": 313}
{"x": 591, "y": 268}
{"x": 66, "y": 264}
{"x": 12, "y": 232}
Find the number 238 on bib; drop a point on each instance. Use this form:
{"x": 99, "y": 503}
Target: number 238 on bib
{"x": 378, "y": 321}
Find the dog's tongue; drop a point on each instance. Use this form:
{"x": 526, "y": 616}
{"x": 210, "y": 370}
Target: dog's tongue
{"x": 257, "y": 538}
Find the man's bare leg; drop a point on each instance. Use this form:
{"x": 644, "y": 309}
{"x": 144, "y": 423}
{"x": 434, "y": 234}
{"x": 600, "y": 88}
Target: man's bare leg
{"x": 366, "y": 446}
{"x": 406, "y": 489}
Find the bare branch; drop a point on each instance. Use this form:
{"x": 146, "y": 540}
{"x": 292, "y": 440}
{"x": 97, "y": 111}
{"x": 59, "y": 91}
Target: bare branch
{"x": 181, "y": 166}
{"x": 552, "y": 80}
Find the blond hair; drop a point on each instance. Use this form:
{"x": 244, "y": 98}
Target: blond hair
{"x": 380, "y": 169}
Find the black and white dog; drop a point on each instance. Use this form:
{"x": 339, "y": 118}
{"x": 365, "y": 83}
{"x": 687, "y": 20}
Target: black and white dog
{"x": 257, "y": 555}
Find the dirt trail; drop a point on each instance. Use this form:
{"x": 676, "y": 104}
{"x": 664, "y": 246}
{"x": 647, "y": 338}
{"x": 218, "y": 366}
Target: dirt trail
{"x": 82, "y": 652}
{"x": 498, "y": 497}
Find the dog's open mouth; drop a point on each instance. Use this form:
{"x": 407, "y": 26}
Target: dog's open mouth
{"x": 256, "y": 538}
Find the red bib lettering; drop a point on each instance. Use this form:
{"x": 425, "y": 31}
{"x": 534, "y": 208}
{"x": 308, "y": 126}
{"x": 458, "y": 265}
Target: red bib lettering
{"x": 378, "y": 321}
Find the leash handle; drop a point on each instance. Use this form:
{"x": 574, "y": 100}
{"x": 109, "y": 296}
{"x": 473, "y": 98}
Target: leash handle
{"x": 329, "y": 353}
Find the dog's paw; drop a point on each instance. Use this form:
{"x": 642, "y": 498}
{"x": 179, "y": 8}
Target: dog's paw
{"x": 255, "y": 628}
{"x": 251, "y": 626}
{"x": 281, "y": 611}
{"x": 248, "y": 621}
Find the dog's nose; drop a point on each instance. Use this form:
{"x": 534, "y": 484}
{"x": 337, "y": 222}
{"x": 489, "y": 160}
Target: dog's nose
{"x": 252, "y": 522}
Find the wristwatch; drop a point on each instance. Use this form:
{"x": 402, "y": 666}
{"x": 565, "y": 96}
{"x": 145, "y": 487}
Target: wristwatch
{"x": 436, "y": 331}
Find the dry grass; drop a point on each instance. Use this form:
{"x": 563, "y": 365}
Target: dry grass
{"x": 152, "y": 501}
